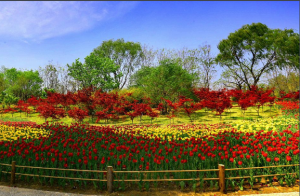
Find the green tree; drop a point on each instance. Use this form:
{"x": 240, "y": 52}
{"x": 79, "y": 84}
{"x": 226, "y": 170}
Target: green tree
{"x": 139, "y": 77}
{"x": 168, "y": 80}
{"x": 127, "y": 55}
{"x": 22, "y": 84}
{"x": 284, "y": 80}
{"x": 199, "y": 62}
{"x": 3, "y": 84}
{"x": 28, "y": 83}
{"x": 95, "y": 71}
{"x": 9, "y": 99}
{"x": 255, "y": 49}
{"x": 11, "y": 75}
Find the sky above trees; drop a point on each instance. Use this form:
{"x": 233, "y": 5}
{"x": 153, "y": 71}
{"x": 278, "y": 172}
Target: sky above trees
{"x": 34, "y": 33}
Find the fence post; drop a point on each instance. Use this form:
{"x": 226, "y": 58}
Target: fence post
{"x": 13, "y": 171}
{"x": 222, "y": 178}
{"x": 110, "y": 179}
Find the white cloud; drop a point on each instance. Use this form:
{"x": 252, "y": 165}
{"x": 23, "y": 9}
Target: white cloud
{"x": 38, "y": 20}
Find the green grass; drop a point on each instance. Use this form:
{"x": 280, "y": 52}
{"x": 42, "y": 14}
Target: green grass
{"x": 199, "y": 117}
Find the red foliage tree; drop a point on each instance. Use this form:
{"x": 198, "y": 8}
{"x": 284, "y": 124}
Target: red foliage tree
{"x": 47, "y": 110}
{"x": 189, "y": 107}
{"x": 24, "y": 107}
{"x": 10, "y": 110}
{"x": 215, "y": 100}
{"x": 244, "y": 103}
{"x": 33, "y": 101}
{"x": 141, "y": 109}
{"x": 173, "y": 108}
{"x": 102, "y": 115}
{"x": 132, "y": 115}
{"x": 152, "y": 115}
{"x": 292, "y": 96}
{"x": 53, "y": 98}
{"x": 78, "y": 114}
{"x": 260, "y": 96}
{"x": 84, "y": 98}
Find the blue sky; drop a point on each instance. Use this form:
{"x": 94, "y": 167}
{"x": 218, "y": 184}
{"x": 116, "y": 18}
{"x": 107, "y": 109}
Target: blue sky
{"x": 34, "y": 33}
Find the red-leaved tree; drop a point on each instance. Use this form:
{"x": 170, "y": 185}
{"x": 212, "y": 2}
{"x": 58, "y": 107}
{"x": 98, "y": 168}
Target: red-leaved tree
{"x": 47, "y": 111}
{"x": 78, "y": 114}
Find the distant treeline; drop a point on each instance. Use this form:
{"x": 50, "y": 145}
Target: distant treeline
{"x": 252, "y": 55}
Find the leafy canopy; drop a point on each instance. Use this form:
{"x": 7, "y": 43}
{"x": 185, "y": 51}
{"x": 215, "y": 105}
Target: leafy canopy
{"x": 255, "y": 49}
{"x": 95, "y": 71}
{"x": 22, "y": 84}
{"x": 168, "y": 80}
{"x": 127, "y": 55}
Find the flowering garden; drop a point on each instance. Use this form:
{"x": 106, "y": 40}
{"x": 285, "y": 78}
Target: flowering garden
{"x": 272, "y": 141}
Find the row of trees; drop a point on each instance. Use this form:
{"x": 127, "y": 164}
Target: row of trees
{"x": 247, "y": 55}
{"x": 112, "y": 105}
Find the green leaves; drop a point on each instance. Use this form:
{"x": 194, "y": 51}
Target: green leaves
{"x": 182, "y": 184}
{"x": 126, "y": 55}
{"x": 9, "y": 99}
{"x": 168, "y": 80}
{"x": 255, "y": 49}
{"x": 240, "y": 184}
{"x": 95, "y": 71}
{"x": 21, "y": 84}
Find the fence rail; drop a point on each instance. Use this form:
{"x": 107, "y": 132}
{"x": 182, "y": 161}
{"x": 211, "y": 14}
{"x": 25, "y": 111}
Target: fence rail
{"x": 166, "y": 171}
{"x": 110, "y": 174}
{"x": 232, "y": 169}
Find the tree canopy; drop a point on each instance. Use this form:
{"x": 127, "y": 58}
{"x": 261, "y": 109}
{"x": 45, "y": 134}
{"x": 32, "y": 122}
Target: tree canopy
{"x": 22, "y": 84}
{"x": 127, "y": 55}
{"x": 255, "y": 49}
{"x": 168, "y": 80}
{"x": 95, "y": 71}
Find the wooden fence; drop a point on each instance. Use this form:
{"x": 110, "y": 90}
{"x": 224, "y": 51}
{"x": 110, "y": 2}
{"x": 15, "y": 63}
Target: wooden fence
{"x": 110, "y": 174}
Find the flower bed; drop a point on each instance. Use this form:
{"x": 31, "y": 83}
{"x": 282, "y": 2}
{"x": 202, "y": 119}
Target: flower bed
{"x": 141, "y": 148}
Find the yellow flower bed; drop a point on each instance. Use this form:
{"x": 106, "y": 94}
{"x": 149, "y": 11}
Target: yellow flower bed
{"x": 8, "y": 133}
{"x": 188, "y": 131}
{"x": 177, "y": 131}
{"x": 265, "y": 124}
{"x": 169, "y": 132}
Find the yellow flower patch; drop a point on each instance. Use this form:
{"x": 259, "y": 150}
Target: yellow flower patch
{"x": 8, "y": 133}
{"x": 184, "y": 132}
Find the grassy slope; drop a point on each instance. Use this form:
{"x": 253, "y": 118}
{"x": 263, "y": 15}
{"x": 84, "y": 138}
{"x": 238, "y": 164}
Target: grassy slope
{"x": 201, "y": 116}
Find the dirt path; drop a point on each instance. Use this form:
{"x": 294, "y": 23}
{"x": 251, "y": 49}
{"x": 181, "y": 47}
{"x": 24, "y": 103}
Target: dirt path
{"x": 16, "y": 191}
